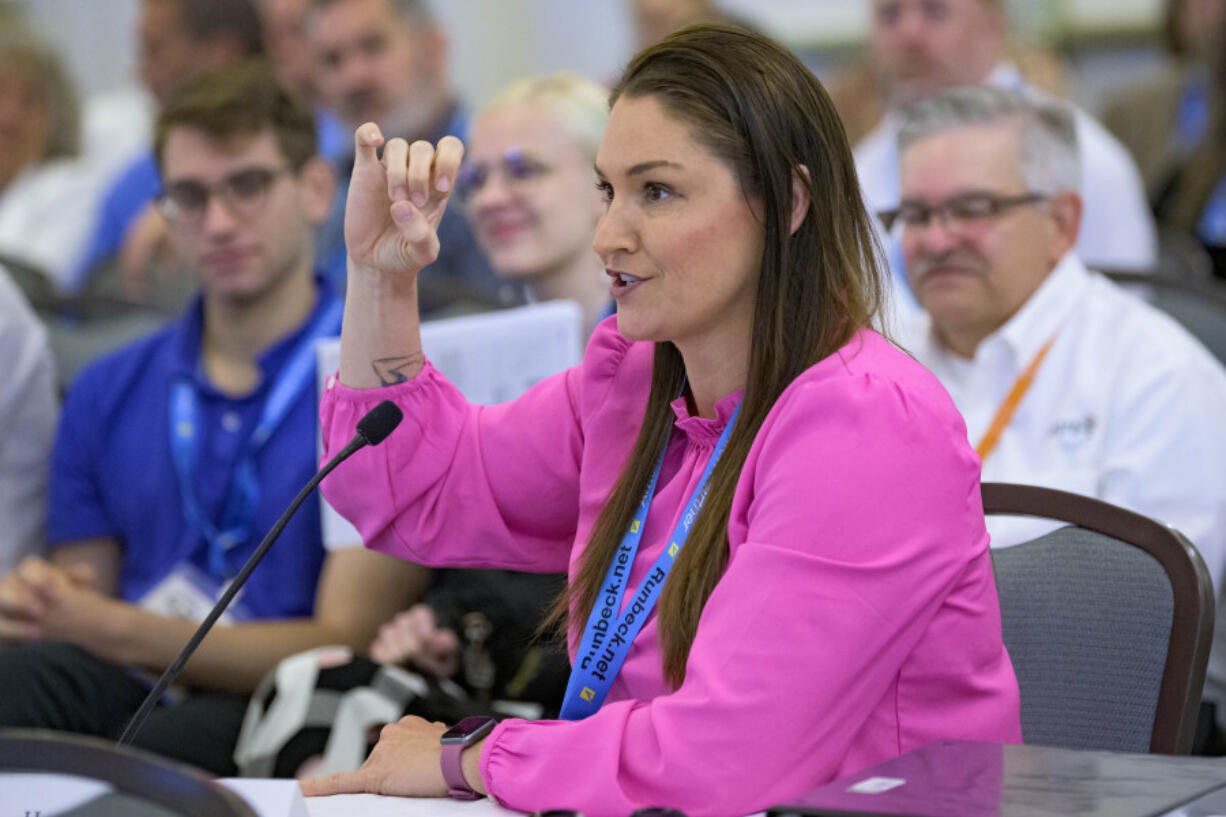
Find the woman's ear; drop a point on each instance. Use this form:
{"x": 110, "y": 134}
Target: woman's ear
{"x": 800, "y": 197}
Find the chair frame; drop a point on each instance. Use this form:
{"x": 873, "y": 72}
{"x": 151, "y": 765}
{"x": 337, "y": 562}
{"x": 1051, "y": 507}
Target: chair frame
{"x": 178, "y": 787}
{"x": 1183, "y": 676}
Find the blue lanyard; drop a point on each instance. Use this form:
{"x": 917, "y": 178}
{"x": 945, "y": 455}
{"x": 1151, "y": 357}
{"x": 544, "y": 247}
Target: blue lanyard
{"x": 243, "y": 492}
{"x": 605, "y": 640}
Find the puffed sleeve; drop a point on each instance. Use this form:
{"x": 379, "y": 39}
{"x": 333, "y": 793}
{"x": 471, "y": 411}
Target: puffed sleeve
{"x": 460, "y": 485}
{"x": 856, "y": 520}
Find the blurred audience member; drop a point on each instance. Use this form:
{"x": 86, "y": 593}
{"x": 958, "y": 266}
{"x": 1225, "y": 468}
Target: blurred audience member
{"x": 290, "y": 50}
{"x": 528, "y": 188}
{"x": 1064, "y": 380}
{"x": 177, "y": 453}
{"x": 1192, "y": 198}
{"x": 656, "y": 19}
{"x": 859, "y": 91}
{"x": 1163, "y": 118}
{"x": 28, "y": 410}
{"x": 924, "y": 46}
{"x": 179, "y": 39}
{"x": 46, "y": 193}
{"x": 385, "y": 61}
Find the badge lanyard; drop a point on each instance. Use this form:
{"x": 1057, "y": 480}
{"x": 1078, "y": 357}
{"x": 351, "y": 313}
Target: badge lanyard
{"x": 1004, "y": 414}
{"x": 607, "y": 637}
{"x": 242, "y": 494}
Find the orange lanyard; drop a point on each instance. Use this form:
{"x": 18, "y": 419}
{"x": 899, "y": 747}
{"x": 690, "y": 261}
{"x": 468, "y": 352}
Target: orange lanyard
{"x": 1004, "y": 414}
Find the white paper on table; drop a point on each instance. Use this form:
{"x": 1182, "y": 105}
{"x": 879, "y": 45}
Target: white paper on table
{"x": 46, "y": 793}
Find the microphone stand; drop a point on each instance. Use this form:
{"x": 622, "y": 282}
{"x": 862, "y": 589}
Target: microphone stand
{"x": 363, "y": 438}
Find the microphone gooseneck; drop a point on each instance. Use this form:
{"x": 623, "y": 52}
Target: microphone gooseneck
{"x": 372, "y": 429}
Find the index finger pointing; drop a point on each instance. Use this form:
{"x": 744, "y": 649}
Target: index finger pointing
{"x": 339, "y": 783}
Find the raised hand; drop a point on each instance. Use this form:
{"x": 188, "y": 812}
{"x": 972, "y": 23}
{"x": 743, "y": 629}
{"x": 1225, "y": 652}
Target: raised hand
{"x": 396, "y": 201}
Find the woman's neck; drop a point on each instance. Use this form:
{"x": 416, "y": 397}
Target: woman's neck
{"x": 713, "y": 371}
{"x": 581, "y": 280}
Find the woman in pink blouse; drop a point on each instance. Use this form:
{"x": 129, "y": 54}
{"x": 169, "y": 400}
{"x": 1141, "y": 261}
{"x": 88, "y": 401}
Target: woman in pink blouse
{"x": 784, "y": 503}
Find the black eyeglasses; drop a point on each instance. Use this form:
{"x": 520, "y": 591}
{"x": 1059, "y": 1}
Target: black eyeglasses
{"x": 243, "y": 193}
{"x": 518, "y": 170}
{"x": 958, "y": 211}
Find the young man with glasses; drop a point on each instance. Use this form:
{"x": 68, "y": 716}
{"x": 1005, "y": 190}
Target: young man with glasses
{"x": 1064, "y": 380}
{"x": 176, "y": 455}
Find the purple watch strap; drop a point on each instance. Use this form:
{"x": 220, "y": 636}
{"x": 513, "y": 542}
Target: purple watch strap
{"x": 453, "y": 772}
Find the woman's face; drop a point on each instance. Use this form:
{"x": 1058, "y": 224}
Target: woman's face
{"x": 529, "y": 192}
{"x": 678, "y": 237}
{"x": 25, "y": 122}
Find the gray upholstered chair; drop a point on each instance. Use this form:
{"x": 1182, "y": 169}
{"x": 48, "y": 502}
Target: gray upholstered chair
{"x": 1199, "y": 305}
{"x": 1108, "y": 621}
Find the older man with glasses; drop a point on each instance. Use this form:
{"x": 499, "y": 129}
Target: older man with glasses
{"x": 1064, "y": 380}
{"x": 176, "y": 454}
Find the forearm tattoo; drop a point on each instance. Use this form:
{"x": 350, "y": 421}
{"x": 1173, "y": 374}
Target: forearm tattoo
{"x": 391, "y": 370}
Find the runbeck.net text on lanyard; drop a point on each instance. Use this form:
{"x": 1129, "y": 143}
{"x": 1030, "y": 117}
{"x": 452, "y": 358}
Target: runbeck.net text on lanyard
{"x": 607, "y": 637}
{"x": 242, "y": 494}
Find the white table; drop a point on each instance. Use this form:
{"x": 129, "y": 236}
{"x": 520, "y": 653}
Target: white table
{"x": 373, "y": 805}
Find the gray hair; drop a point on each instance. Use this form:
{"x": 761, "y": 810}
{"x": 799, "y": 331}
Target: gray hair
{"x": 1050, "y": 160}
{"x": 576, "y": 104}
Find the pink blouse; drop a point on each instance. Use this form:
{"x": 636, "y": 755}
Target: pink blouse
{"x": 857, "y": 618}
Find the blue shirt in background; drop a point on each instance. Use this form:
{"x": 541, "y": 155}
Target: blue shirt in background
{"x": 112, "y": 472}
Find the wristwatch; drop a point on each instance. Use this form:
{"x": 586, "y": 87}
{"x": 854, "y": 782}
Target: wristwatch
{"x": 454, "y": 741}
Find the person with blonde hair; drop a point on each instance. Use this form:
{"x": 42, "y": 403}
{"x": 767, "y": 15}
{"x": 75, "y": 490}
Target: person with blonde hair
{"x": 527, "y": 189}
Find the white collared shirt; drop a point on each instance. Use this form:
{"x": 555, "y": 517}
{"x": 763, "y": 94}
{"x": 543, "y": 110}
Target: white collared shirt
{"x": 1127, "y": 407}
{"x": 46, "y": 214}
{"x": 1117, "y": 228}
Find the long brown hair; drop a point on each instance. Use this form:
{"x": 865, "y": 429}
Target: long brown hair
{"x": 757, "y": 108}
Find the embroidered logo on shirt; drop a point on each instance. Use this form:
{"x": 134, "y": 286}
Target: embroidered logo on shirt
{"x": 1074, "y": 432}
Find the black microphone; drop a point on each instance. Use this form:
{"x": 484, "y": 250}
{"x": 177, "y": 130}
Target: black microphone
{"x": 371, "y": 430}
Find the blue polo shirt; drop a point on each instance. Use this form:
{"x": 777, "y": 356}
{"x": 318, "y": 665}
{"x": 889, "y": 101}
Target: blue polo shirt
{"x": 113, "y": 473}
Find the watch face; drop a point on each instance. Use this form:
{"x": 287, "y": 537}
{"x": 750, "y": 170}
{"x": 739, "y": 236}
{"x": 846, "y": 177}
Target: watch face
{"x": 468, "y": 729}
